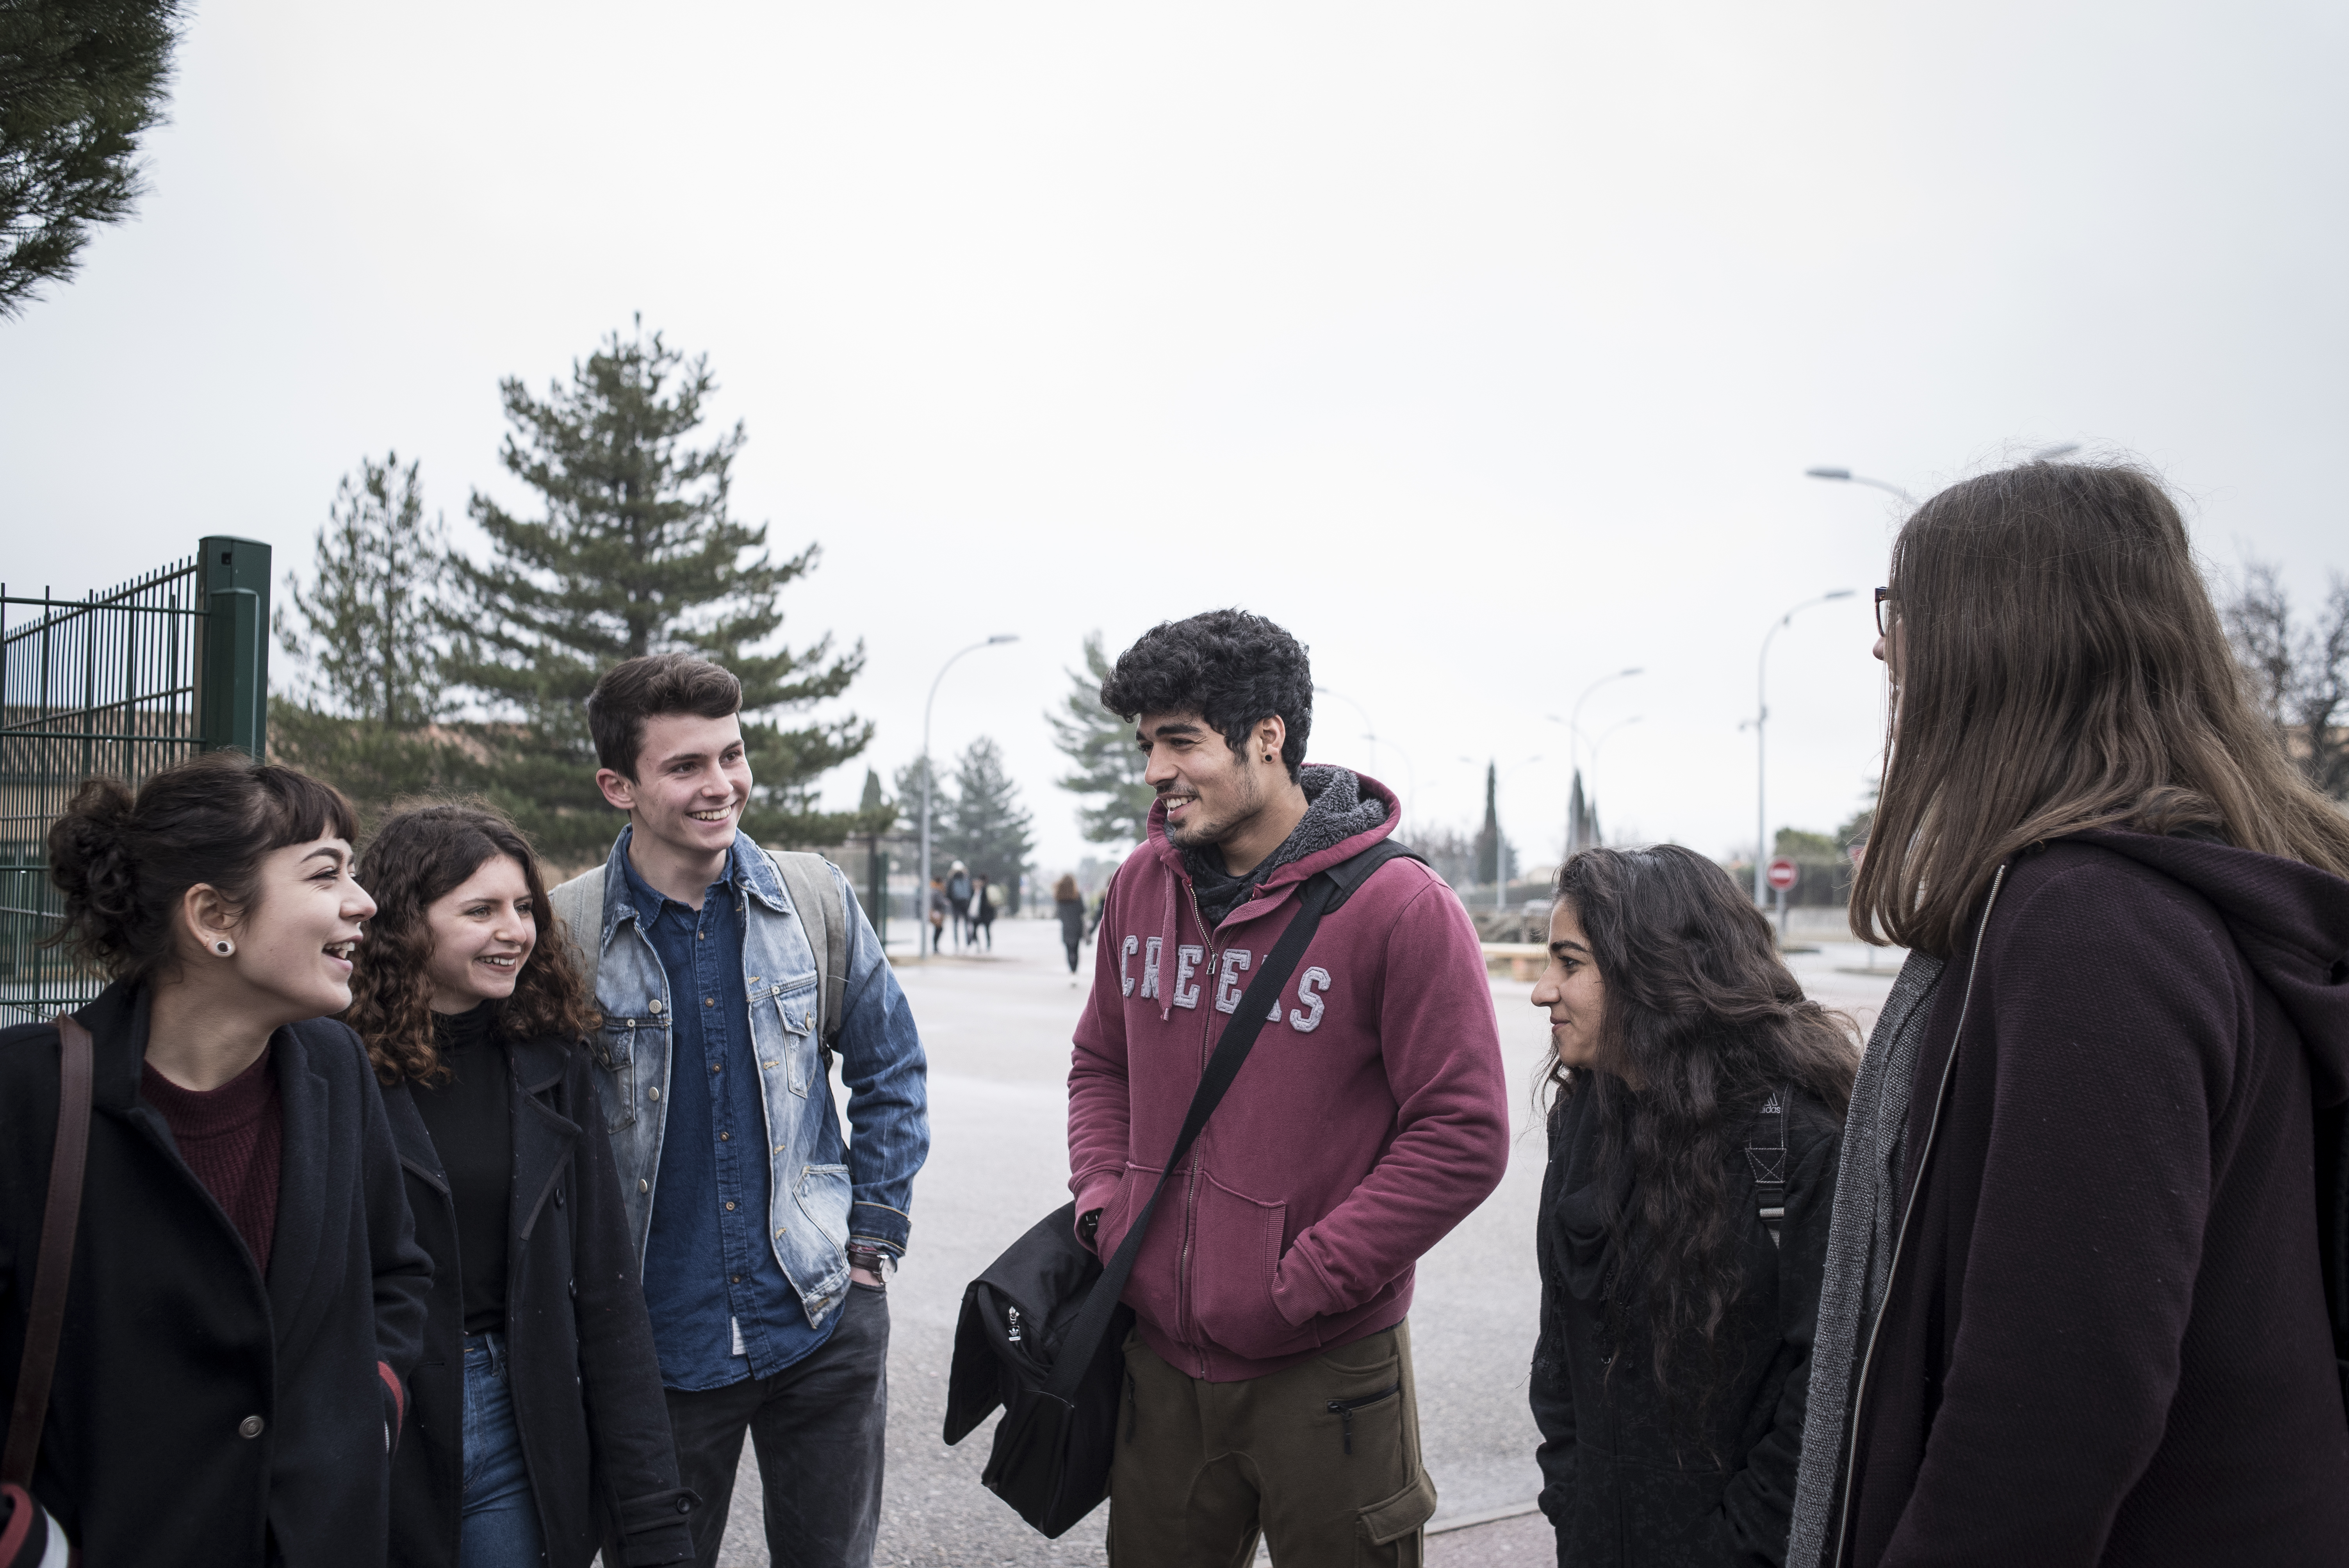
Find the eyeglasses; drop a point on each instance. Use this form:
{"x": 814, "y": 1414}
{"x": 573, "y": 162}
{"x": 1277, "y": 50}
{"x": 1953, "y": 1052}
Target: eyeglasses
{"x": 1886, "y": 617}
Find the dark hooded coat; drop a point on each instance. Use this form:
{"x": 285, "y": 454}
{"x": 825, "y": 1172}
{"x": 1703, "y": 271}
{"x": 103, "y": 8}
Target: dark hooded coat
{"x": 2105, "y": 1339}
{"x": 1628, "y": 1482}
{"x": 580, "y": 1360}
{"x": 202, "y": 1414}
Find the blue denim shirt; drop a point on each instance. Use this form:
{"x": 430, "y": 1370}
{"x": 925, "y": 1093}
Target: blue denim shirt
{"x": 818, "y": 1197}
{"x": 720, "y": 1307}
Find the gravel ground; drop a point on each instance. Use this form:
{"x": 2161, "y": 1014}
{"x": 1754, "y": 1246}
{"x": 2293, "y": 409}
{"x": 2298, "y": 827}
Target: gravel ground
{"x": 996, "y": 1029}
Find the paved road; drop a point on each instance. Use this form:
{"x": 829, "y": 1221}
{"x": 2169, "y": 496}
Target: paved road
{"x": 997, "y": 1031}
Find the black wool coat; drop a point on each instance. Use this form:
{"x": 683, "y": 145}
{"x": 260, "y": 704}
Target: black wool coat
{"x": 175, "y": 1347}
{"x": 580, "y": 1361}
{"x": 2105, "y": 1340}
{"x": 1625, "y": 1482}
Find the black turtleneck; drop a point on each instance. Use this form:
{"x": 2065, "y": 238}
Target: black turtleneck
{"x": 471, "y": 1119}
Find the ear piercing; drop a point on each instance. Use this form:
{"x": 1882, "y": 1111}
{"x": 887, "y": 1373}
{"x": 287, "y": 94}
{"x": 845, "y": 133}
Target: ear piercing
{"x": 224, "y": 947}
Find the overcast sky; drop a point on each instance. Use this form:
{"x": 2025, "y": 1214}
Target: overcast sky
{"x": 1482, "y": 346}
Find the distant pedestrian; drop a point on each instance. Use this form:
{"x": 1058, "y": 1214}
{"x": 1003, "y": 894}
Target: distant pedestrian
{"x": 539, "y": 1415}
{"x": 1068, "y": 905}
{"x": 982, "y": 911}
{"x": 1270, "y": 1388}
{"x": 247, "y": 1296}
{"x": 938, "y": 913}
{"x": 958, "y": 902}
{"x": 2075, "y": 1300}
{"x": 1697, "y": 1114}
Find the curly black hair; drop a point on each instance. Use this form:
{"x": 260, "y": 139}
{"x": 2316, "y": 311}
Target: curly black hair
{"x": 1703, "y": 1015}
{"x": 1232, "y": 668}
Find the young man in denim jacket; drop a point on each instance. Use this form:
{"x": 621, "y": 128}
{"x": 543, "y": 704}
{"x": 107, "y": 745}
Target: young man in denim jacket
{"x": 764, "y": 1239}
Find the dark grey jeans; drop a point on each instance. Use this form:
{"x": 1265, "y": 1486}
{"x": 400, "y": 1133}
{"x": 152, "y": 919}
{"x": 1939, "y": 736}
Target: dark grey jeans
{"x": 817, "y": 1428}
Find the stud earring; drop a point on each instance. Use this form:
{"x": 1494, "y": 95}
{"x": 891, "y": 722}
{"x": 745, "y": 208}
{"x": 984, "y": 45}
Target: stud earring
{"x": 224, "y": 947}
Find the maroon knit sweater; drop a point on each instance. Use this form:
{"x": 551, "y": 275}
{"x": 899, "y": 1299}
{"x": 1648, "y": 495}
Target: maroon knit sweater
{"x": 230, "y": 1137}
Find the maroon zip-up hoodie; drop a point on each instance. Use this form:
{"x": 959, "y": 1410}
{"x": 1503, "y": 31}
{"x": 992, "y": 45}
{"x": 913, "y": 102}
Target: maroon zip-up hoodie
{"x": 1365, "y": 1124}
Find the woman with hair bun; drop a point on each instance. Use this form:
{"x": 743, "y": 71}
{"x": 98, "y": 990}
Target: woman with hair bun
{"x": 1693, "y": 1134}
{"x": 246, "y": 1297}
{"x": 540, "y": 1421}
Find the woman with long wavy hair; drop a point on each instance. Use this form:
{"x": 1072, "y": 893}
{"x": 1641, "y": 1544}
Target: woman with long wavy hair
{"x": 1696, "y": 1116}
{"x": 540, "y": 1424}
{"x": 2075, "y": 1307}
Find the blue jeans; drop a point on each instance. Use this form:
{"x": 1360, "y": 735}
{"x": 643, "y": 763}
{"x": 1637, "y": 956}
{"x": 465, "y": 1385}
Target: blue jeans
{"x": 499, "y": 1527}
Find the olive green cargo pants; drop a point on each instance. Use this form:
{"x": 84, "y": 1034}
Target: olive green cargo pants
{"x": 1322, "y": 1458}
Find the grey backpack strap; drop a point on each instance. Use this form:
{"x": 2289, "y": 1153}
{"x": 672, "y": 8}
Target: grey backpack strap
{"x": 1769, "y": 1163}
{"x": 823, "y": 911}
{"x": 579, "y": 905}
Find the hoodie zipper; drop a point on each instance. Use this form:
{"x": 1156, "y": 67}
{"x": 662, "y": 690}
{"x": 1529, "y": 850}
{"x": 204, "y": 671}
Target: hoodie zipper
{"x": 1191, "y": 1184}
{"x": 1834, "y": 1558}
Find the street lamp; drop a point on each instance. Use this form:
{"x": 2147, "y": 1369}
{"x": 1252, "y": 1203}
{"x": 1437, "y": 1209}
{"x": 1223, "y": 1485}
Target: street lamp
{"x": 1370, "y": 733}
{"x": 1592, "y": 788}
{"x": 1574, "y": 731}
{"x": 1762, "y": 717}
{"x": 1848, "y": 477}
{"x": 922, "y": 891}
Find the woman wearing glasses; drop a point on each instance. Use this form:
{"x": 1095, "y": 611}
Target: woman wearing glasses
{"x": 1698, "y": 1106}
{"x": 2074, "y": 1309}
{"x": 539, "y": 1417}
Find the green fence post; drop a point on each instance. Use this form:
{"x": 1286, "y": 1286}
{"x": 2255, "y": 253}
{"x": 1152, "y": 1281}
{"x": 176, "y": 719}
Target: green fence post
{"x": 234, "y": 701}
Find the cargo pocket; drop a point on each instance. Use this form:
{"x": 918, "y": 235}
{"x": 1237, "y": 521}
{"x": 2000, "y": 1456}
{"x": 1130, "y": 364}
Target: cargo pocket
{"x": 1388, "y": 1533}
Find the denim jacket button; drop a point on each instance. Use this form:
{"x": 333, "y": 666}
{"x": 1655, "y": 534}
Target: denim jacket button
{"x": 643, "y": 1185}
{"x": 656, "y": 1005}
{"x": 652, "y": 1094}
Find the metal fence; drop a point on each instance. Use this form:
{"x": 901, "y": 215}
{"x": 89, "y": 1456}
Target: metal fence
{"x": 120, "y": 684}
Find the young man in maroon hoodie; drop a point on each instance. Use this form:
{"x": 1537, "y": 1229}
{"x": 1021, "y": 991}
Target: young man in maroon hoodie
{"x": 1269, "y": 1377}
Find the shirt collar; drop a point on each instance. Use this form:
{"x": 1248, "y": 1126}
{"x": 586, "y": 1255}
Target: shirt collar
{"x": 653, "y": 906}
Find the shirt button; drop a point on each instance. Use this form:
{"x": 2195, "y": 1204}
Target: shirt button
{"x": 723, "y": 1137}
{"x": 729, "y": 1205}
{"x": 713, "y": 1067}
{"x": 736, "y": 1279}
{"x": 250, "y": 1427}
{"x": 709, "y": 1001}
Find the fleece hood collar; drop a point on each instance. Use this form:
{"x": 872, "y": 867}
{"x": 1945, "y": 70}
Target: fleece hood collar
{"x": 2291, "y": 921}
{"x": 1347, "y": 794}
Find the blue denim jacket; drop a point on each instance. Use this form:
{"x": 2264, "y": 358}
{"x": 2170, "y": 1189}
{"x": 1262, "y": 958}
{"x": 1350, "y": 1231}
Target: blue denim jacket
{"x": 818, "y": 1199}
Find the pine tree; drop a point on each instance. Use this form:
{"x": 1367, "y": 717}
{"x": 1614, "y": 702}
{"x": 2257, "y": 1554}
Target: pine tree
{"x": 637, "y": 553}
{"x": 368, "y": 634}
{"x": 369, "y": 628}
{"x": 984, "y": 825}
{"x": 80, "y": 81}
{"x": 1107, "y": 764}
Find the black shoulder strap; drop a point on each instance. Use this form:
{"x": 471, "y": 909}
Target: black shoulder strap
{"x": 1769, "y": 1163}
{"x": 1349, "y": 876}
{"x": 1322, "y": 890}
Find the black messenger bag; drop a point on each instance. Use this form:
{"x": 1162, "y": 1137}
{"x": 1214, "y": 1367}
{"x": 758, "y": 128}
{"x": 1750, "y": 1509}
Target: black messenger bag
{"x": 1042, "y": 1331}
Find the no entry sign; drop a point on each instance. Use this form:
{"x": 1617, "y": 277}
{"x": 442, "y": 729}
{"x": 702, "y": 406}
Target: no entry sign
{"x": 1782, "y": 873}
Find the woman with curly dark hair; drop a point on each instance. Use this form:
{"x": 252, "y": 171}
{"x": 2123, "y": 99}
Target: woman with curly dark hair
{"x": 1696, "y": 1118}
{"x": 540, "y": 1423}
